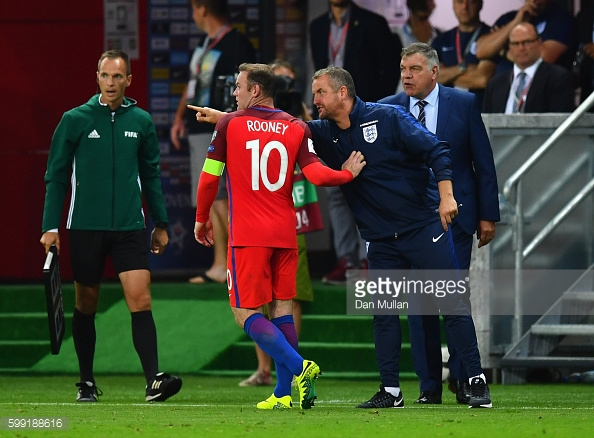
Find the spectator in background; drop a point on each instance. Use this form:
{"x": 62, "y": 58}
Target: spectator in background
{"x": 456, "y": 48}
{"x": 360, "y": 41}
{"x": 286, "y": 69}
{"x": 223, "y": 50}
{"x": 585, "y": 19}
{"x": 555, "y": 26}
{"x": 418, "y": 28}
{"x": 534, "y": 85}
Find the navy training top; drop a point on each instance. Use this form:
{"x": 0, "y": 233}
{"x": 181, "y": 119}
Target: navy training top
{"x": 397, "y": 189}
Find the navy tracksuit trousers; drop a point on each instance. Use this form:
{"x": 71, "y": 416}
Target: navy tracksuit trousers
{"x": 422, "y": 249}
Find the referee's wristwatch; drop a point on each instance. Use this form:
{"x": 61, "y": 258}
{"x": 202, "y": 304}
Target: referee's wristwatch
{"x": 163, "y": 225}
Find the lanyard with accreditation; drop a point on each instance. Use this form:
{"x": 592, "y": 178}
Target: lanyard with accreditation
{"x": 193, "y": 84}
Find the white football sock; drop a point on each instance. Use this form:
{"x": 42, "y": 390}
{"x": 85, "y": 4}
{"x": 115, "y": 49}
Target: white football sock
{"x": 482, "y": 376}
{"x": 394, "y": 390}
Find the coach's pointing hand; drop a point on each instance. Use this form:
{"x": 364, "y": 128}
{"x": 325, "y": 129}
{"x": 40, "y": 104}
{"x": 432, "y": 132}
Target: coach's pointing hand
{"x": 206, "y": 114}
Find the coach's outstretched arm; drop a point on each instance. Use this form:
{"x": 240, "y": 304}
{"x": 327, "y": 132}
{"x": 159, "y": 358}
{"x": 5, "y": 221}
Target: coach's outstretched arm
{"x": 317, "y": 174}
{"x": 321, "y": 175}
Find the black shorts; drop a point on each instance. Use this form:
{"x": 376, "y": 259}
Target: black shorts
{"x": 128, "y": 250}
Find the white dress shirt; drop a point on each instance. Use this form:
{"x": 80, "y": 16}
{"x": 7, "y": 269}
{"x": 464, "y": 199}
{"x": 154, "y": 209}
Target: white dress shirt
{"x": 530, "y": 71}
{"x": 431, "y": 109}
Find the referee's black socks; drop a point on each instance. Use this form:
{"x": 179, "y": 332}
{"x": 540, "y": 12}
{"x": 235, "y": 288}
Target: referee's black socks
{"x": 144, "y": 337}
{"x": 84, "y": 337}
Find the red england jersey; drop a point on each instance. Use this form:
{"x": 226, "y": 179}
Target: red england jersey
{"x": 260, "y": 147}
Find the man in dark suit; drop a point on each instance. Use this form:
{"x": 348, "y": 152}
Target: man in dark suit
{"x": 585, "y": 20}
{"x": 459, "y": 67}
{"x": 454, "y": 116}
{"x": 555, "y": 25}
{"x": 534, "y": 86}
{"x": 363, "y": 45}
{"x": 360, "y": 41}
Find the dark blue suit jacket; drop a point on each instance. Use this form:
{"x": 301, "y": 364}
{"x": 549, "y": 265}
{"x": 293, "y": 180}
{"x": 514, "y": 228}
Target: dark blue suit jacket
{"x": 473, "y": 169}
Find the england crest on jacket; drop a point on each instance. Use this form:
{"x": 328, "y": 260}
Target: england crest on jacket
{"x": 369, "y": 131}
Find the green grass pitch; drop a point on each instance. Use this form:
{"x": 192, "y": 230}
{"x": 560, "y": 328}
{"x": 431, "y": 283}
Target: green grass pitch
{"x": 216, "y": 407}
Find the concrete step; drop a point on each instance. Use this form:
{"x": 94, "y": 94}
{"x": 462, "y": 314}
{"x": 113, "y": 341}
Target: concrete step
{"x": 28, "y": 326}
{"x": 548, "y": 361}
{"x": 344, "y": 328}
{"x": 24, "y": 327}
{"x": 339, "y": 357}
{"x": 338, "y": 328}
{"x": 328, "y": 300}
{"x": 22, "y": 354}
{"x": 587, "y": 296}
{"x": 31, "y": 297}
{"x": 563, "y": 329}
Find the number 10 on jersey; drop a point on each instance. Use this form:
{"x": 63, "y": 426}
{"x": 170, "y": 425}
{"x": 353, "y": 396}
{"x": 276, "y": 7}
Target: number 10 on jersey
{"x": 260, "y": 164}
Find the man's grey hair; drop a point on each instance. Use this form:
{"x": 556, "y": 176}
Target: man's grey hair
{"x": 338, "y": 77}
{"x": 426, "y": 51}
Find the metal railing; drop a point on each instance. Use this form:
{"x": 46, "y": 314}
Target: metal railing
{"x": 513, "y": 194}
{"x": 541, "y": 202}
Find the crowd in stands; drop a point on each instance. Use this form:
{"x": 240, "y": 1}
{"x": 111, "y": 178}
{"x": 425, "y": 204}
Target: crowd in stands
{"x": 537, "y": 59}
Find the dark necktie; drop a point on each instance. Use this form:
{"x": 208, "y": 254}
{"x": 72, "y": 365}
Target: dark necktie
{"x": 519, "y": 90}
{"x": 421, "y": 117}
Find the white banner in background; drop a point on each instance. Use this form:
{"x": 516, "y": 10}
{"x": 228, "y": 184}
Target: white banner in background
{"x": 121, "y": 26}
{"x": 395, "y": 11}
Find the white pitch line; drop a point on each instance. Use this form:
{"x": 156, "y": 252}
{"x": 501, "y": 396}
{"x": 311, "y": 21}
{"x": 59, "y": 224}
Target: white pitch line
{"x": 319, "y": 405}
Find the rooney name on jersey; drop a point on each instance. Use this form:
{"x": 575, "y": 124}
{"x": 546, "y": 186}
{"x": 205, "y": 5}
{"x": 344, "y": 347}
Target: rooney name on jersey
{"x": 266, "y": 126}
